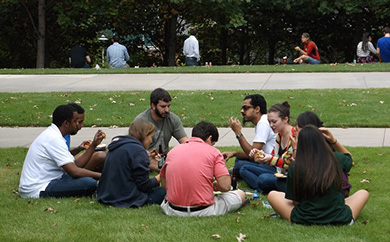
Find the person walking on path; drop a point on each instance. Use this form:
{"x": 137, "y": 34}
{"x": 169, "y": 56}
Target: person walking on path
{"x": 117, "y": 54}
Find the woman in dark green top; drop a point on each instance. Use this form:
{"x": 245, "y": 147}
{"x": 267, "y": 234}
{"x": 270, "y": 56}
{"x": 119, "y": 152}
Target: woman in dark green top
{"x": 314, "y": 183}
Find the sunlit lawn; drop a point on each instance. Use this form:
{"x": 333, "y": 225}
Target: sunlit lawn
{"x": 85, "y": 220}
{"x": 336, "y": 107}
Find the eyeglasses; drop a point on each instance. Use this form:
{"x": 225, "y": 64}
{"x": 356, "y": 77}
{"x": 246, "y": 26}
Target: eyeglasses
{"x": 246, "y": 107}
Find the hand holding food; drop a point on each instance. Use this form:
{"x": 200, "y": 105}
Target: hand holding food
{"x": 258, "y": 155}
{"x": 85, "y": 145}
{"x": 287, "y": 157}
{"x": 99, "y": 136}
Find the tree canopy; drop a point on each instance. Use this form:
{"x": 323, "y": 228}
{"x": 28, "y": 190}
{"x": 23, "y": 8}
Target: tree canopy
{"x": 39, "y": 33}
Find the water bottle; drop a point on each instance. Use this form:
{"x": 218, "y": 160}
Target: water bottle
{"x": 234, "y": 180}
{"x": 255, "y": 195}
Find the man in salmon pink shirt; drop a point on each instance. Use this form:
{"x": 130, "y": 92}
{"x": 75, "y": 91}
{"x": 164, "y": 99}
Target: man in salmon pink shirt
{"x": 192, "y": 172}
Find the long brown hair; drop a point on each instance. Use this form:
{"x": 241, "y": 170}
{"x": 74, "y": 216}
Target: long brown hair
{"x": 141, "y": 129}
{"x": 316, "y": 168}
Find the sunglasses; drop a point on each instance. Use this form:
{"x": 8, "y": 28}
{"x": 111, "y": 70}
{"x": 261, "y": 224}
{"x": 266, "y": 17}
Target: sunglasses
{"x": 246, "y": 107}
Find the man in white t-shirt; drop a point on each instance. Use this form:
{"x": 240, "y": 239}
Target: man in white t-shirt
{"x": 254, "y": 110}
{"x": 49, "y": 169}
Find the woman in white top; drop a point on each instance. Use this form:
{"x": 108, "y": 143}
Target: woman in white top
{"x": 364, "y": 48}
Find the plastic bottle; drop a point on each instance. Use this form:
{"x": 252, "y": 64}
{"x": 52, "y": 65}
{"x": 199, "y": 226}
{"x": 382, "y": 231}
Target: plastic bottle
{"x": 234, "y": 180}
{"x": 163, "y": 157}
{"x": 255, "y": 195}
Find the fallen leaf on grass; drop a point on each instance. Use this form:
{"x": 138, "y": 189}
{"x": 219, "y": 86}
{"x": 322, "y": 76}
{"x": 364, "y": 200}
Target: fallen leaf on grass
{"x": 144, "y": 225}
{"x": 238, "y": 219}
{"x": 76, "y": 200}
{"x": 51, "y": 210}
{"x": 365, "y": 181}
{"x": 216, "y": 236}
{"x": 365, "y": 222}
{"x": 241, "y": 237}
{"x": 381, "y": 102}
{"x": 380, "y": 154}
{"x": 15, "y": 192}
{"x": 91, "y": 202}
{"x": 256, "y": 204}
{"x": 55, "y": 224}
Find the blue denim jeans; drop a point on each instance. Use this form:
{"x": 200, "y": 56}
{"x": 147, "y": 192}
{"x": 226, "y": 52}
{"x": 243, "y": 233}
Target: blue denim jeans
{"x": 68, "y": 186}
{"x": 260, "y": 177}
{"x": 240, "y": 163}
{"x": 312, "y": 61}
{"x": 156, "y": 196}
{"x": 191, "y": 61}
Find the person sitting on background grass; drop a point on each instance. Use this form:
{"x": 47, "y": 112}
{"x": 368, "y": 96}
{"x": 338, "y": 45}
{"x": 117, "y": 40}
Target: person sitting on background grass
{"x": 50, "y": 170}
{"x": 309, "y": 54}
{"x": 383, "y": 46}
{"x": 125, "y": 179}
{"x": 192, "y": 172}
{"x": 314, "y": 193}
{"x": 96, "y": 162}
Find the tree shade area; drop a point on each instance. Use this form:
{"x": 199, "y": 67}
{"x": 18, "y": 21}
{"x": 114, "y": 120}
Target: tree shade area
{"x": 39, "y": 34}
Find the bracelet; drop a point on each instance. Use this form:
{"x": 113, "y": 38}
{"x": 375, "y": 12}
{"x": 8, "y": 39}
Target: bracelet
{"x": 334, "y": 142}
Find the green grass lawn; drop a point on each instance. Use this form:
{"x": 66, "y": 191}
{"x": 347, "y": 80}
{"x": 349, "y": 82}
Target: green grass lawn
{"x": 343, "y": 67}
{"x": 336, "y": 107}
{"x": 87, "y": 220}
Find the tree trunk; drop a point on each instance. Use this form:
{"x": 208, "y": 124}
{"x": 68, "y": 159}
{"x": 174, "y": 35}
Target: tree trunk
{"x": 170, "y": 39}
{"x": 41, "y": 34}
{"x": 271, "y": 51}
{"x": 224, "y": 36}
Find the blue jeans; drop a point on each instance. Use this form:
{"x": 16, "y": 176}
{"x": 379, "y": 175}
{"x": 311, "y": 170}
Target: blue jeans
{"x": 156, "y": 196}
{"x": 259, "y": 177}
{"x": 191, "y": 61}
{"x": 68, "y": 186}
{"x": 240, "y": 163}
{"x": 312, "y": 61}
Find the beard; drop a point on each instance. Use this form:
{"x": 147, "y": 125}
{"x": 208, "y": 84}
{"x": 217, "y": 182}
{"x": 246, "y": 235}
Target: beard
{"x": 160, "y": 114}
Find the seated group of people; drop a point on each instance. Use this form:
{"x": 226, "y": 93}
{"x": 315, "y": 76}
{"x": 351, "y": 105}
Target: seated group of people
{"x": 194, "y": 170}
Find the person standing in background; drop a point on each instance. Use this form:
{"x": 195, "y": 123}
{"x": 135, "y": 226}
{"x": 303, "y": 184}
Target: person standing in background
{"x": 191, "y": 48}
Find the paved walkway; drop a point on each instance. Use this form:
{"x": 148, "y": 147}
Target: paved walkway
{"x": 370, "y": 137}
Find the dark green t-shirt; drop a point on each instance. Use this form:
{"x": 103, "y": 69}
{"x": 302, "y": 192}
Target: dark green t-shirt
{"x": 322, "y": 210}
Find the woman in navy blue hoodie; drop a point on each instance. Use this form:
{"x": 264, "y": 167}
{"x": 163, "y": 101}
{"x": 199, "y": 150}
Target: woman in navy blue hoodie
{"x": 125, "y": 180}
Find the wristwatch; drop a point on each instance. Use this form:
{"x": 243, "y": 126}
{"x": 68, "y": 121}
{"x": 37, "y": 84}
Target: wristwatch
{"x": 238, "y": 136}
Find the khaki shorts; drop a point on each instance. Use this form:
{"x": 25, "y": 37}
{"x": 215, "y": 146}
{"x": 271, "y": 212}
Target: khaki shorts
{"x": 224, "y": 203}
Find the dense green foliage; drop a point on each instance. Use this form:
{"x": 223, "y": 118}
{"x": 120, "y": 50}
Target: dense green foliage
{"x": 85, "y": 220}
{"x": 336, "y": 107}
{"x": 230, "y": 32}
